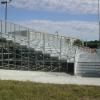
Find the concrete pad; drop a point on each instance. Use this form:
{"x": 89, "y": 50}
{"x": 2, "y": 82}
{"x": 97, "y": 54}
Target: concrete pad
{"x": 47, "y": 77}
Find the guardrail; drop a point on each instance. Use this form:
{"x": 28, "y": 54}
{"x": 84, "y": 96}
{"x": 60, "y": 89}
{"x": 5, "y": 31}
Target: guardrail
{"x": 56, "y": 45}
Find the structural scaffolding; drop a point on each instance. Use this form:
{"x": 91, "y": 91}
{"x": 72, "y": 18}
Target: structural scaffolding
{"x": 22, "y": 48}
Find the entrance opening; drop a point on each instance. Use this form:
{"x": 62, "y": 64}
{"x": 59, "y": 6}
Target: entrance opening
{"x": 70, "y": 68}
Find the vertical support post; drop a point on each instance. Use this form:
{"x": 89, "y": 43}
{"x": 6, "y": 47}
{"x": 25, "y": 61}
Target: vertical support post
{"x": 68, "y": 40}
{"x": 76, "y": 62}
{"x": 14, "y": 47}
{"x": 20, "y": 49}
{"x": 60, "y": 52}
{"x": 8, "y": 52}
{"x": 0, "y": 28}
{"x": 2, "y": 44}
{"x": 28, "y": 34}
{"x": 5, "y": 17}
{"x": 99, "y": 18}
{"x": 21, "y": 56}
{"x": 43, "y": 49}
{"x": 36, "y": 60}
{"x": 6, "y": 11}
{"x": 6, "y": 3}
{"x": 50, "y": 52}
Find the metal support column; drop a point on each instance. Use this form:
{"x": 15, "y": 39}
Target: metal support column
{"x": 14, "y": 47}
{"x": 5, "y": 17}
{"x": 43, "y": 50}
{"x": 28, "y": 34}
{"x": 99, "y": 17}
{"x": 2, "y": 44}
{"x": 60, "y": 53}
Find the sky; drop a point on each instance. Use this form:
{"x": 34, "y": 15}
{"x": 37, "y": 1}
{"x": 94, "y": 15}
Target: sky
{"x": 71, "y": 18}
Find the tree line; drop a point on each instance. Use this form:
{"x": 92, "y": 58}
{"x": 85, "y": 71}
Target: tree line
{"x": 90, "y": 44}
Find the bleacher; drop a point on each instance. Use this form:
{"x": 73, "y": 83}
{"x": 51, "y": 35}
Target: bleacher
{"x": 20, "y": 57}
{"x": 22, "y": 48}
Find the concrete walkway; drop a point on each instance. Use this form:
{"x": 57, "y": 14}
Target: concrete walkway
{"x": 47, "y": 77}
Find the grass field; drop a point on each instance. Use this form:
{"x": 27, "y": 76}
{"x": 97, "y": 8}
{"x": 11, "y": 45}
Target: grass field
{"x": 15, "y": 90}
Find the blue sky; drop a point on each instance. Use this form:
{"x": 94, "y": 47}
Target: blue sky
{"x": 21, "y": 14}
{"x": 77, "y": 14}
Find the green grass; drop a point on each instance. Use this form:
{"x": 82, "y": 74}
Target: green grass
{"x": 15, "y": 90}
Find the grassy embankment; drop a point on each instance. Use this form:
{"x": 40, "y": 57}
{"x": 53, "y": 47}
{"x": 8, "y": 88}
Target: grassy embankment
{"x": 14, "y": 90}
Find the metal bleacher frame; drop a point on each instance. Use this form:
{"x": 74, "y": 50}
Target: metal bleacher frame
{"x": 22, "y": 48}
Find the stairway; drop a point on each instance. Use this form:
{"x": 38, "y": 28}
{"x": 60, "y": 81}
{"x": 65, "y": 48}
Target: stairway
{"x": 88, "y": 65}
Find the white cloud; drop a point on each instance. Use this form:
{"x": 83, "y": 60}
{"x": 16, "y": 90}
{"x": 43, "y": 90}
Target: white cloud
{"x": 74, "y": 6}
{"x": 79, "y": 29}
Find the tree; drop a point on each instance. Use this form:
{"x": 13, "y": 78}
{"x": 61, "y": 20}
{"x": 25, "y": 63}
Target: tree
{"x": 78, "y": 42}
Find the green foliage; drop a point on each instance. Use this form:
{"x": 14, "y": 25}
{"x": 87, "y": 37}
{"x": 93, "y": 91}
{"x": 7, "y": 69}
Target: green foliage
{"x": 14, "y": 90}
{"x": 92, "y": 44}
{"x": 78, "y": 42}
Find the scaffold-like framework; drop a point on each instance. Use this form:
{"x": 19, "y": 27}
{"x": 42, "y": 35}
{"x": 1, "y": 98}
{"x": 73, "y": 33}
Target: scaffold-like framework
{"x": 22, "y": 48}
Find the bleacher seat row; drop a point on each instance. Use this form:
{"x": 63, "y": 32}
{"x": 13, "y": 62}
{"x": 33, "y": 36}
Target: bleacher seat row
{"x": 19, "y": 57}
{"x": 22, "y": 48}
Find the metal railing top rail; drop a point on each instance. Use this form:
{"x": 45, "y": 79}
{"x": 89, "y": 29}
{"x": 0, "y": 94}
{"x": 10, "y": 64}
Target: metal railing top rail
{"x": 71, "y": 40}
{"x": 32, "y": 30}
